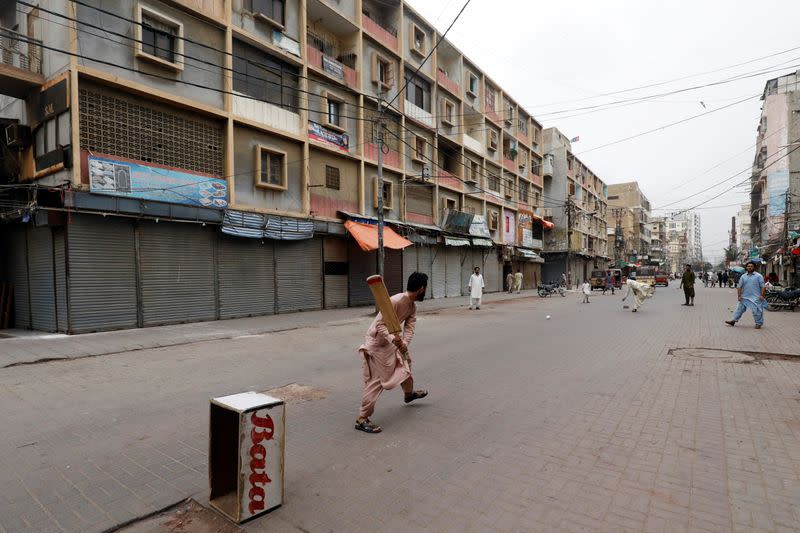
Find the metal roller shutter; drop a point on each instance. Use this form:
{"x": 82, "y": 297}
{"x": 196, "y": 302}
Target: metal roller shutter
{"x": 19, "y": 272}
{"x": 246, "y": 273}
{"x": 298, "y": 270}
{"x": 102, "y": 274}
{"x": 528, "y": 270}
{"x": 177, "y": 273}
{"x": 492, "y": 271}
{"x": 438, "y": 284}
{"x": 393, "y": 271}
{"x": 335, "y": 255}
{"x": 362, "y": 265}
{"x": 409, "y": 261}
{"x": 472, "y": 259}
{"x": 42, "y": 280}
{"x": 424, "y": 264}
{"x": 453, "y": 276}
{"x": 60, "y": 266}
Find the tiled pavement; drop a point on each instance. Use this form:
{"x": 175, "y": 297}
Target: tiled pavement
{"x": 581, "y": 423}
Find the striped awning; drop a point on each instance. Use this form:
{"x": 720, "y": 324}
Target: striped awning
{"x": 452, "y": 241}
{"x": 486, "y": 243}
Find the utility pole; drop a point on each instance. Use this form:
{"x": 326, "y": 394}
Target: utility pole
{"x": 568, "y": 208}
{"x": 379, "y": 192}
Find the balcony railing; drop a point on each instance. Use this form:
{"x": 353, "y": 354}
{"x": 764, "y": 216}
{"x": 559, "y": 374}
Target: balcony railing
{"x": 448, "y": 83}
{"x": 509, "y": 164}
{"x": 20, "y": 63}
{"x": 384, "y": 33}
{"x": 448, "y": 179}
{"x": 334, "y": 67}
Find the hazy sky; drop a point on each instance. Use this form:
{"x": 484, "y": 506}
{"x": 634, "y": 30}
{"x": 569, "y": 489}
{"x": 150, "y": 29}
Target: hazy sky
{"x": 543, "y": 53}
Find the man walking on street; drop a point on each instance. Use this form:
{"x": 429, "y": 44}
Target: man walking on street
{"x": 687, "y": 282}
{"x": 719, "y": 278}
{"x": 725, "y": 278}
{"x": 510, "y": 282}
{"x": 609, "y": 283}
{"x": 475, "y": 289}
{"x": 751, "y": 294}
{"x": 641, "y": 292}
{"x": 518, "y": 281}
{"x": 386, "y": 362}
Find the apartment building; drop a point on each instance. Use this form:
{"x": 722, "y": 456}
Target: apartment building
{"x": 743, "y": 238}
{"x": 576, "y": 204}
{"x": 658, "y": 241}
{"x": 629, "y": 214}
{"x": 775, "y": 179}
{"x": 187, "y": 160}
{"x": 684, "y": 240}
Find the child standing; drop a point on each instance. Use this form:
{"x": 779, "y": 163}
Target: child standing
{"x": 587, "y": 290}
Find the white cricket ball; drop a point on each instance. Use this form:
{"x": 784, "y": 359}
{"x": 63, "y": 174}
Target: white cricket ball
{"x": 548, "y": 317}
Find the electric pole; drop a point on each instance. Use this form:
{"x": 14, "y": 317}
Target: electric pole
{"x": 568, "y": 208}
{"x": 379, "y": 192}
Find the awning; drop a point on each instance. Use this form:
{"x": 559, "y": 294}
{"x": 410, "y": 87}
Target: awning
{"x": 486, "y": 243}
{"x": 545, "y": 223}
{"x": 366, "y": 235}
{"x": 256, "y": 226}
{"x": 529, "y": 255}
{"x": 452, "y": 241}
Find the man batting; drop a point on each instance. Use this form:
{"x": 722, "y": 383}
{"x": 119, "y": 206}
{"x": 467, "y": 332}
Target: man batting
{"x": 386, "y": 361}
{"x": 641, "y": 292}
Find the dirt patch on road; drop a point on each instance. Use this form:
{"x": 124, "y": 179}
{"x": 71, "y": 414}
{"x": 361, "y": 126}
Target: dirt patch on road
{"x": 188, "y": 516}
{"x": 296, "y": 393}
{"x": 730, "y": 356}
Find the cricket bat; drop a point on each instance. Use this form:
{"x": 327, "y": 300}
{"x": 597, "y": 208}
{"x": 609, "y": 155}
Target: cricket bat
{"x": 384, "y": 303}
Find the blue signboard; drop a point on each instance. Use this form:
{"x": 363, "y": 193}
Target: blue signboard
{"x": 777, "y": 188}
{"x": 135, "y": 180}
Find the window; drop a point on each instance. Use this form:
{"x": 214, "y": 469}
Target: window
{"x": 264, "y": 77}
{"x": 333, "y": 111}
{"x": 472, "y": 84}
{"x": 419, "y": 149}
{"x": 524, "y": 191}
{"x": 522, "y": 125}
{"x": 494, "y": 183}
{"x": 509, "y": 118}
{"x": 535, "y": 166}
{"x": 449, "y": 204}
{"x": 490, "y": 102}
{"x": 272, "y": 10}
{"x": 332, "y": 177}
{"x": 388, "y": 188}
{"x": 474, "y": 172}
{"x": 417, "y": 40}
{"x": 509, "y": 188}
{"x": 569, "y": 163}
{"x": 494, "y": 219}
{"x": 448, "y": 112}
{"x": 382, "y": 71}
{"x": 159, "y": 38}
{"x": 271, "y": 168}
{"x": 418, "y": 92}
{"x": 491, "y": 140}
{"x": 614, "y": 197}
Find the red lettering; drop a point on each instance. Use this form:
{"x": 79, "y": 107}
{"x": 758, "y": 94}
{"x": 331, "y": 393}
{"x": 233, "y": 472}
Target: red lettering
{"x": 258, "y": 460}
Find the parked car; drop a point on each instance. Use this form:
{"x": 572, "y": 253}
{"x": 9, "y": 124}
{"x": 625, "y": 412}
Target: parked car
{"x": 662, "y": 278}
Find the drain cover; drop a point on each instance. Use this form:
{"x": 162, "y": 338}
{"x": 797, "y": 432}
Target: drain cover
{"x": 706, "y": 353}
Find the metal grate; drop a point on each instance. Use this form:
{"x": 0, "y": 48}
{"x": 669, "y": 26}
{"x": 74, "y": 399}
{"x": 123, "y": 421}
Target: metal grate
{"x": 115, "y": 125}
{"x": 332, "y": 178}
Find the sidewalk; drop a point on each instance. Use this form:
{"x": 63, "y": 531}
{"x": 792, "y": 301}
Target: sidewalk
{"x": 28, "y": 347}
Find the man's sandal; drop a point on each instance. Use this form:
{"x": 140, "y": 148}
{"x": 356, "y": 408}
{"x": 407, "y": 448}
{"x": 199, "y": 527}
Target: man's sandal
{"x": 367, "y": 426}
{"x": 416, "y": 395}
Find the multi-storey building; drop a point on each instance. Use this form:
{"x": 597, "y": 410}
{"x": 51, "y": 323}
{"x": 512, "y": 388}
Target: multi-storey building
{"x": 685, "y": 240}
{"x": 775, "y": 180}
{"x": 189, "y": 160}
{"x": 658, "y": 241}
{"x": 576, "y": 200}
{"x": 743, "y": 239}
{"x": 629, "y": 214}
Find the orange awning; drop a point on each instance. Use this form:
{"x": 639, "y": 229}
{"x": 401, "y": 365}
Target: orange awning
{"x": 366, "y": 235}
{"x": 545, "y": 223}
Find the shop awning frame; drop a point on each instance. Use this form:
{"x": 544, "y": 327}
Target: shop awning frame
{"x": 366, "y": 235}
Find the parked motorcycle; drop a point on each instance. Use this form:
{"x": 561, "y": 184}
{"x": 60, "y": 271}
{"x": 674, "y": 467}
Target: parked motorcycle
{"x": 782, "y": 299}
{"x": 548, "y": 289}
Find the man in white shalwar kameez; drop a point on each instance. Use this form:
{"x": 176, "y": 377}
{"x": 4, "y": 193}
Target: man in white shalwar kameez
{"x": 475, "y": 289}
{"x": 641, "y": 292}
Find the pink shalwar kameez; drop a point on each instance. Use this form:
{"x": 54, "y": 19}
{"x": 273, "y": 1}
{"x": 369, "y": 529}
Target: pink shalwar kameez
{"x": 383, "y": 365}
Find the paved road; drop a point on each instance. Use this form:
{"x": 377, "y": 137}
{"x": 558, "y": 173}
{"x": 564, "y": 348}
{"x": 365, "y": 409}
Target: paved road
{"x": 581, "y": 422}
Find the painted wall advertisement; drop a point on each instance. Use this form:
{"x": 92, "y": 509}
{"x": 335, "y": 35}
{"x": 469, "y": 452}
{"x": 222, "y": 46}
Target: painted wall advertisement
{"x": 323, "y": 134}
{"x": 136, "y": 180}
{"x": 525, "y": 233}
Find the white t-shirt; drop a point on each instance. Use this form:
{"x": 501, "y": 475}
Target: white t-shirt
{"x": 587, "y": 289}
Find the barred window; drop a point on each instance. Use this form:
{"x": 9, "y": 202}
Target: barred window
{"x": 119, "y": 125}
{"x": 332, "y": 178}
{"x": 264, "y": 77}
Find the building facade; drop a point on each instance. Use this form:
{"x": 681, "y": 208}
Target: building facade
{"x": 684, "y": 240}
{"x": 629, "y": 214}
{"x": 185, "y": 160}
{"x": 775, "y": 180}
{"x": 658, "y": 242}
{"x": 743, "y": 238}
{"x": 576, "y": 203}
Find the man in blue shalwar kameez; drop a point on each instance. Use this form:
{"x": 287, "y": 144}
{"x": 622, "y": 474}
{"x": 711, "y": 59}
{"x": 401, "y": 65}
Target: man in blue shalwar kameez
{"x": 751, "y": 295}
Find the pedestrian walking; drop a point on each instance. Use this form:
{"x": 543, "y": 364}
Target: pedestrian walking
{"x": 725, "y": 278}
{"x": 751, "y": 295}
{"x": 687, "y": 283}
{"x": 475, "y": 288}
{"x": 609, "y": 283}
{"x": 719, "y": 279}
{"x": 705, "y": 279}
{"x": 510, "y": 282}
{"x": 640, "y": 291}
{"x": 386, "y": 362}
{"x": 586, "y": 289}
{"x": 518, "y": 281}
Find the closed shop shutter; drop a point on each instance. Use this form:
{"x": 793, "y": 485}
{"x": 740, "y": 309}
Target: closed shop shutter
{"x": 492, "y": 271}
{"x": 472, "y": 258}
{"x": 41, "y": 276}
{"x": 177, "y": 273}
{"x": 102, "y": 274}
{"x": 246, "y": 271}
{"x": 424, "y": 263}
{"x": 299, "y": 274}
{"x": 335, "y": 255}
{"x": 409, "y": 261}
{"x": 453, "y": 265}
{"x": 439, "y": 271}
{"x": 362, "y": 265}
{"x": 60, "y": 266}
{"x": 19, "y": 273}
{"x": 393, "y": 271}
{"x": 529, "y": 275}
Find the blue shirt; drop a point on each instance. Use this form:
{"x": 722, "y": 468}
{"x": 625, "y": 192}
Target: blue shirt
{"x": 751, "y": 285}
